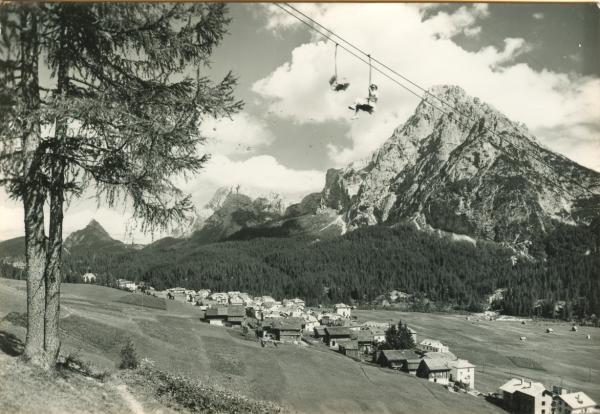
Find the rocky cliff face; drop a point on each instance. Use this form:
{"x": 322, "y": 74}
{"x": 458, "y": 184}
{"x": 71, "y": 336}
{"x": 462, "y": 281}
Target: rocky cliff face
{"x": 469, "y": 171}
{"x": 230, "y": 211}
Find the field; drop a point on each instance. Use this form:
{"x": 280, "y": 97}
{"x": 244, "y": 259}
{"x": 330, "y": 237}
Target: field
{"x": 496, "y": 349}
{"x": 310, "y": 379}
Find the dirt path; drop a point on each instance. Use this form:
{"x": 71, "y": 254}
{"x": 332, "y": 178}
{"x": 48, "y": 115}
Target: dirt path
{"x": 133, "y": 404}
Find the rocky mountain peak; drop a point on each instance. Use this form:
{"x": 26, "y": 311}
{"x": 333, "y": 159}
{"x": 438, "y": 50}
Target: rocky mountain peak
{"x": 460, "y": 165}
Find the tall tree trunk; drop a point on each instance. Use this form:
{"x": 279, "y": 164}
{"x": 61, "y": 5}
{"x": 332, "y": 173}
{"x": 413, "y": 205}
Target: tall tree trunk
{"x": 55, "y": 236}
{"x": 32, "y": 191}
{"x": 54, "y": 268}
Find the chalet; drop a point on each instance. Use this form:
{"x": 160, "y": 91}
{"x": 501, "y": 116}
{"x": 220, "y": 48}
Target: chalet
{"x": 462, "y": 371}
{"x": 320, "y": 331}
{"x": 432, "y": 345}
{"x": 333, "y": 335}
{"x": 526, "y": 397}
{"x": 366, "y": 341}
{"x": 572, "y": 403}
{"x": 235, "y": 315}
{"x": 343, "y": 310}
{"x": 405, "y": 360}
{"x": 434, "y": 370}
{"x": 350, "y": 349}
{"x": 89, "y": 278}
{"x": 287, "y": 329}
{"x": 216, "y": 315}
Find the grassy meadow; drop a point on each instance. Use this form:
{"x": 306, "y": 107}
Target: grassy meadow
{"x": 496, "y": 349}
{"x": 97, "y": 321}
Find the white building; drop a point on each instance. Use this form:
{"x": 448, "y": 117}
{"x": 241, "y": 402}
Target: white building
{"x": 432, "y": 345}
{"x": 524, "y": 396}
{"x": 89, "y": 278}
{"x": 343, "y": 310}
{"x": 126, "y": 284}
{"x": 203, "y": 293}
{"x": 574, "y": 403}
{"x": 462, "y": 371}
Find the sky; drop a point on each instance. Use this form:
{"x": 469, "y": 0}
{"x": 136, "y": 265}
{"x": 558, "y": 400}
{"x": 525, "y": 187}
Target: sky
{"x": 537, "y": 63}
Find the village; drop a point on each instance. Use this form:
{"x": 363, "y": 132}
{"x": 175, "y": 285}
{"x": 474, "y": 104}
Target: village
{"x": 290, "y": 322}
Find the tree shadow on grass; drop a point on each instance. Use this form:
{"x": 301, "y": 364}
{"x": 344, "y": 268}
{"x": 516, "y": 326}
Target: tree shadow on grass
{"x": 10, "y": 344}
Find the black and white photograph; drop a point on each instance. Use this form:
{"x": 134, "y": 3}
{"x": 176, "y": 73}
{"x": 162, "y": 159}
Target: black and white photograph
{"x": 327, "y": 208}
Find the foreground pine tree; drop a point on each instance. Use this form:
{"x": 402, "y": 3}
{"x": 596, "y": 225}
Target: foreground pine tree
{"x": 106, "y": 97}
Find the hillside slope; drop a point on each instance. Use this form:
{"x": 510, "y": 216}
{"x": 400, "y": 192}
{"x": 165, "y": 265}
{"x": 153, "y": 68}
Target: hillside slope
{"x": 305, "y": 379}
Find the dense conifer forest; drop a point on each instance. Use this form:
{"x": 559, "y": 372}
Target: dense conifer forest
{"x": 562, "y": 281}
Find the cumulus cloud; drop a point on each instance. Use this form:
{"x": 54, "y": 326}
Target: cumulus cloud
{"x": 422, "y": 49}
{"x": 261, "y": 174}
{"x": 240, "y": 134}
{"x": 463, "y": 20}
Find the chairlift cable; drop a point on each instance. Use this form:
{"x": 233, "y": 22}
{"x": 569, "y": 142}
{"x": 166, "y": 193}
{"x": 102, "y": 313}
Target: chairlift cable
{"x": 335, "y": 60}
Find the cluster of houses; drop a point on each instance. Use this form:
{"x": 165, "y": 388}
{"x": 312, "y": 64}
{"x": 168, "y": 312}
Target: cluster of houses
{"x": 290, "y": 321}
{"x": 521, "y": 396}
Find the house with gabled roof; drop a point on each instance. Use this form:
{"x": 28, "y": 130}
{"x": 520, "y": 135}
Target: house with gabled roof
{"x": 287, "y": 329}
{"x": 334, "y": 334}
{"x": 405, "y": 360}
{"x": 216, "y": 315}
{"x": 350, "y": 349}
{"x": 235, "y": 314}
{"x": 436, "y": 368}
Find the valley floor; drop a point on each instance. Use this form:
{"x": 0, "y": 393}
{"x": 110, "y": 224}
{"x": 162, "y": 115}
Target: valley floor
{"x": 310, "y": 379}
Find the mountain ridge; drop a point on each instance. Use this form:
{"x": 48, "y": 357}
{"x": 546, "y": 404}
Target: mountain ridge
{"x": 437, "y": 168}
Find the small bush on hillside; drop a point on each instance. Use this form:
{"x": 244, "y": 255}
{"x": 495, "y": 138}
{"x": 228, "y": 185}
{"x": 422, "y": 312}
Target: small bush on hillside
{"x": 128, "y": 356}
{"x": 72, "y": 362}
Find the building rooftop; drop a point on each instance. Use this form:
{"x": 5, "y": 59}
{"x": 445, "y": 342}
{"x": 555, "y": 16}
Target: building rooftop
{"x": 400, "y": 354}
{"x": 461, "y": 363}
{"x": 337, "y": 331}
{"x": 525, "y": 386}
{"x": 577, "y": 400}
{"x": 432, "y": 342}
{"x": 287, "y": 324}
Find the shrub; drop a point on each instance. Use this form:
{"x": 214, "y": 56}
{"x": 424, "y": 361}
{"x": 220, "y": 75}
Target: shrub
{"x": 128, "y": 356}
{"x": 73, "y": 362}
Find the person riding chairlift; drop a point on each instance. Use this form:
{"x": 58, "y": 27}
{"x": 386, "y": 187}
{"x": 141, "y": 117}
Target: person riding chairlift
{"x": 366, "y": 104}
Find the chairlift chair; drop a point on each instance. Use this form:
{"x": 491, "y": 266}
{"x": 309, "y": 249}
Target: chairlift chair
{"x": 335, "y": 84}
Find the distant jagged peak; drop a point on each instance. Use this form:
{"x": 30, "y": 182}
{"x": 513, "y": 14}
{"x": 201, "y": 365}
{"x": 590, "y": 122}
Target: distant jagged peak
{"x": 269, "y": 199}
